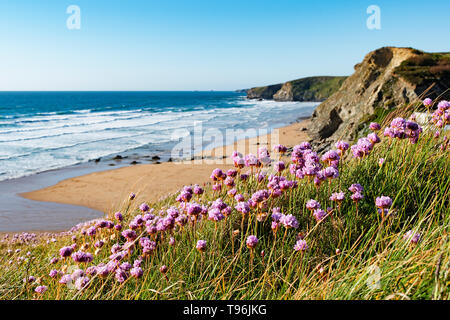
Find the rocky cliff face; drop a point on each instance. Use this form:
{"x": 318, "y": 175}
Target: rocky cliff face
{"x": 309, "y": 89}
{"x": 304, "y": 89}
{"x": 386, "y": 78}
{"x": 266, "y": 92}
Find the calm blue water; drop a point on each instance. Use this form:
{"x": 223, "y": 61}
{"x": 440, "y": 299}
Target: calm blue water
{"x": 40, "y": 131}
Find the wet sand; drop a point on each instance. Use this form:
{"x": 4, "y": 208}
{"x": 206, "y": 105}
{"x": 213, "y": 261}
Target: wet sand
{"x": 106, "y": 191}
{"x": 21, "y": 214}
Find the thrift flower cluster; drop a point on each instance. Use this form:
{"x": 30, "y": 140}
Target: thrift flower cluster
{"x": 403, "y": 129}
{"x": 441, "y": 116}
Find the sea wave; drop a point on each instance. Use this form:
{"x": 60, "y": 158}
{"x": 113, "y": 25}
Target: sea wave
{"x": 55, "y": 139}
{"x": 71, "y": 128}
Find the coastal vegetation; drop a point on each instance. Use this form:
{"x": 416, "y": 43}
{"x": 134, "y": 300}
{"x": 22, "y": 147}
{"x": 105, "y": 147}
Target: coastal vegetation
{"x": 363, "y": 221}
{"x": 386, "y": 79}
{"x": 425, "y": 68}
{"x": 304, "y": 89}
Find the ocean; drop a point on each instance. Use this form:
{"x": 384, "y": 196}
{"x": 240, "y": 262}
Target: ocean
{"x": 41, "y": 131}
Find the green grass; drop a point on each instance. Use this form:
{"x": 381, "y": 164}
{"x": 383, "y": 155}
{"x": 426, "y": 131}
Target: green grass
{"x": 379, "y": 115}
{"x": 265, "y": 92}
{"x": 304, "y": 89}
{"x": 316, "y": 88}
{"x": 372, "y": 250}
{"x": 426, "y": 68}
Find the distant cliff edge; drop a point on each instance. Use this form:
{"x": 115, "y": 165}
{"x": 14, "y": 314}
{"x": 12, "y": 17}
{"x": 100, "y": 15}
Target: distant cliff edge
{"x": 304, "y": 89}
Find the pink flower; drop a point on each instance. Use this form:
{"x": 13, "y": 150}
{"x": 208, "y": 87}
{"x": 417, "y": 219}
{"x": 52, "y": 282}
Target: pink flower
{"x": 337, "y": 196}
{"x": 82, "y": 257}
{"x": 383, "y": 202}
{"x": 217, "y": 173}
{"x": 412, "y": 236}
{"x": 243, "y": 207}
{"x": 215, "y": 214}
{"x": 356, "y": 187}
{"x": 427, "y": 102}
{"x": 279, "y": 148}
{"x": 279, "y": 166}
{"x": 229, "y": 182}
{"x": 130, "y": 235}
{"x": 374, "y": 126}
{"x": 232, "y": 173}
{"x": 250, "y": 160}
{"x": 40, "y": 289}
{"x": 53, "y": 273}
{"x": 289, "y": 221}
{"x": 251, "y": 242}
{"x": 373, "y": 138}
{"x": 198, "y": 190}
{"x": 330, "y": 156}
{"x": 357, "y": 196}
{"x": 65, "y": 252}
{"x": 312, "y": 205}
{"x": 319, "y": 214}
{"x": 144, "y": 207}
{"x": 301, "y": 245}
{"x": 136, "y": 272}
{"x": 201, "y": 245}
{"x": 342, "y": 145}
{"x": 163, "y": 269}
{"x": 118, "y": 216}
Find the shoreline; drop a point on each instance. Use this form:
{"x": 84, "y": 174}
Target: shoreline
{"x": 21, "y": 214}
{"x": 105, "y": 191}
{"x": 56, "y": 200}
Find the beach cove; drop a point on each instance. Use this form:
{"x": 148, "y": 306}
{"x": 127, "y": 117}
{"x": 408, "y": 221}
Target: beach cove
{"x": 53, "y": 138}
{"x": 107, "y": 190}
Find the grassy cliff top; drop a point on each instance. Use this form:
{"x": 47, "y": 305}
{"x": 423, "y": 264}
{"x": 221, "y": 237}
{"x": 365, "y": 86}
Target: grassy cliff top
{"x": 320, "y": 87}
{"x": 425, "y": 67}
{"x": 304, "y": 89}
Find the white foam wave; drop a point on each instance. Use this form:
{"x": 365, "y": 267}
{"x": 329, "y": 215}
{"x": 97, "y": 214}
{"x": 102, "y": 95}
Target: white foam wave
{"x": 50, "y": 141}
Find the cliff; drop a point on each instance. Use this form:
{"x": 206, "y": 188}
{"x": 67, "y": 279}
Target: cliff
{"x": 266, "y": 92}
{"x": 304, "y": 89}
{"x": 387, "y": 77}
{"x": 309, "y": 89}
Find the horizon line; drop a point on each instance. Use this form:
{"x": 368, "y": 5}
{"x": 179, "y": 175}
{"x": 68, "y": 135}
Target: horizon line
{"x": 212, "y": 90}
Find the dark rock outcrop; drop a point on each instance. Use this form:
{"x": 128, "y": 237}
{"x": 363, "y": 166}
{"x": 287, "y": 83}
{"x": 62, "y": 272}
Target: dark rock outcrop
{"x": 266, "y": 92}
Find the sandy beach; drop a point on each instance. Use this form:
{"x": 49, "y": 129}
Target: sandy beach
{"x": 105, "y": 191}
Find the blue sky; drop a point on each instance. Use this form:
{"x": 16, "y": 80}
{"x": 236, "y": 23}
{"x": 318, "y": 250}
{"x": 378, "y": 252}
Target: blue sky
{"x": 201, "y": 45}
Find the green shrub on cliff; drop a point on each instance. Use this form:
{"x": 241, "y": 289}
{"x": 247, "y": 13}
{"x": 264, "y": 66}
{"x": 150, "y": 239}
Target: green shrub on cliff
{"x": 418, "y": 70}
{"x": 315, "y": 88}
